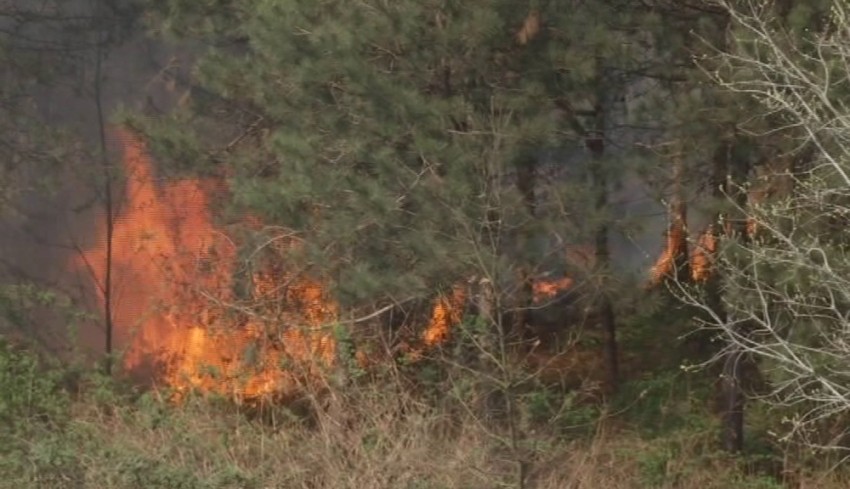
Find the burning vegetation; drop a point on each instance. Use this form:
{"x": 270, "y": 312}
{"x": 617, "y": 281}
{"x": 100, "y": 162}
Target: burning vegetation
{"x": 172, "y": 300}
{"x": 677, "y": 259}
{"x": 172, "y": 297}
{"x": 175, "y": 312}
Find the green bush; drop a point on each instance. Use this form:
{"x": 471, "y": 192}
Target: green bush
{"x": 665, "y": 403}
{"x": 34, "y": 411}
{"x": 564, "y": 412}
{"x": 28, "y": 392}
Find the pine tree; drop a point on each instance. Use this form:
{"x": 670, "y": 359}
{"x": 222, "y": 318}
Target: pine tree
{"x": 419, "y": 144}
{"x": 416, "y": 145}
{"x": 405, "y": 142}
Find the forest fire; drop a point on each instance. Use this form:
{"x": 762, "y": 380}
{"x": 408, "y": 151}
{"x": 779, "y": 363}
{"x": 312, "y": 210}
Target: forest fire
{"x": 175, "y": 310}
{"x": 172, "y": 284}
{"x": 448, "y": 308}
{"x": 172, "y": 299}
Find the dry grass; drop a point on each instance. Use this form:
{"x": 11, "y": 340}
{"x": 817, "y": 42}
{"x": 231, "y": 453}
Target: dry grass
{"x": 388, "y": 431}
{"x": 372, "y": 438}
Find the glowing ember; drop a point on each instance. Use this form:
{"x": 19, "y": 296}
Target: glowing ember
{"x": 173, "y": 270}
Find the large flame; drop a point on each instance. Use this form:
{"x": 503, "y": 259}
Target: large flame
{"x": 172, "y": 293}
{"x": 174, "y": 305}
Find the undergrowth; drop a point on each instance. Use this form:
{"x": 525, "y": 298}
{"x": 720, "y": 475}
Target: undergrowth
{"x": 108, "y": 435}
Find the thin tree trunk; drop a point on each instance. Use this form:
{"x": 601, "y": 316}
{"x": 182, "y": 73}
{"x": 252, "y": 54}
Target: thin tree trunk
{"x": 108, "y": 203}
{"x": 733, "y": 403}
{"x": 673, "y": 262}
{"x": 731, "y": 171}
{"x": 739, "y": 169}
{"x": 679, "y": 224}
{"x": 526, "y": 169}
{"x": 595, "y": 142}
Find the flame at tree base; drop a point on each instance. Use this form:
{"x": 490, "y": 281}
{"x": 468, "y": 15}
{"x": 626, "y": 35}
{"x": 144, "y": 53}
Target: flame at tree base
{"x": 172, "y": 270}
{"x": 174, "y": 307}
{"x": 244, "y": 365}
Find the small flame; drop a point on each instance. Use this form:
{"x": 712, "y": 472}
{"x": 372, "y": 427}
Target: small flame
{"x": 676, "y": 247}
{"x": 447, "y": 312}
{"x": 546, "y": 289}
{"x": 448, "y": 309}
{"x": 752, "y": 226}
{"x": 705, "y": 248}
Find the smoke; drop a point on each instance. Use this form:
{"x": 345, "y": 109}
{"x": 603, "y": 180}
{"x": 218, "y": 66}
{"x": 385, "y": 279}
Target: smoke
{"x": 75, "y": 64}
{"x": 54, "y": 214}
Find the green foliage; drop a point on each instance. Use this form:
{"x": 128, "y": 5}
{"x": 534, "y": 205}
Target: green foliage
{"x": 666, "y": 402}
{"x": 653, "y": 465}
{"x": 28, "y": 391}
{"x": 34, "y": 411}
{"x": 680, "y": 343}
{"x": 388, "y": 136}
{"x": 24, "y": 304}
{"x": 562, "y": 412}
{"x": 385, "y": 441}
{"x": 346, "y": 353}
{"x": 669, "y": 460}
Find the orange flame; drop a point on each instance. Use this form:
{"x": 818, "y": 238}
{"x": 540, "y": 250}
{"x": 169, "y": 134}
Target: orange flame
{"x": 675, "y": 248}
{"x": 447, "y": 312}
{"x": 547, "y": 289}
{"x": 448, "y": 309}
{"x": 173, "y": 270}
{"x": 174, "y": 305}
{"x": 706, "y": 246}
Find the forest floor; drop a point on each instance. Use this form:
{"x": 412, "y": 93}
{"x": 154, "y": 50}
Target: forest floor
{"x": 656, "y": 433}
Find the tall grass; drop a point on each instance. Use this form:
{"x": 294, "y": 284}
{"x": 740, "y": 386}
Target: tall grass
{"x": 377, "y": 434}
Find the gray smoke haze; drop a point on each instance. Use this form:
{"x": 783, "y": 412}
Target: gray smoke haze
{"x": 44, "y": 227}
{"x": 52, "y": 213}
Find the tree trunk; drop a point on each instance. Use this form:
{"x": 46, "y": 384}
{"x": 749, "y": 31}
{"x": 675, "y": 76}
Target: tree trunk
{"x": 673, "y": 263}
{"x": 596, "y": 144}
{"x": 731, "y": 173}
{"x": 678, "y": 232}
{"x": 732, "y": 396}
{"x": 108, "y": 204}
{"x": 526, "y": 169}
